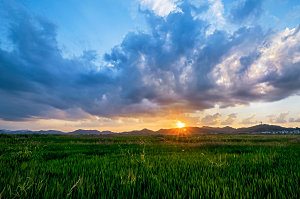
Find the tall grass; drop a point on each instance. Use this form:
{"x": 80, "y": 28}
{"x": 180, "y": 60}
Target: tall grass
{"x": 206, "y": 166}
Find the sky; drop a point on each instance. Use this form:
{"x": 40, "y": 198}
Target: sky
{"x": 123, "y": 65}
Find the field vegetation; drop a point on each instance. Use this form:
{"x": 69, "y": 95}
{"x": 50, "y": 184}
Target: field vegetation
{"x": 154, "y": 166}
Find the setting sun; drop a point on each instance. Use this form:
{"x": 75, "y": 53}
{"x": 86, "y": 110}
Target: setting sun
{"x": 180, "y": 124}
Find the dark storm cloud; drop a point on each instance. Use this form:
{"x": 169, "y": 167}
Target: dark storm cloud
{"x": 34, "y": 77}
{"x": 176, "y": 66}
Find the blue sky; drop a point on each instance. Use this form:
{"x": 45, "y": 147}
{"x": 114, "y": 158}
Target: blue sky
{"x": 88, "y": 25}
{"x": 122, "y": 65}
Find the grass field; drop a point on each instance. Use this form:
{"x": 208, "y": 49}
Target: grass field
{"x": 119, "y": 166}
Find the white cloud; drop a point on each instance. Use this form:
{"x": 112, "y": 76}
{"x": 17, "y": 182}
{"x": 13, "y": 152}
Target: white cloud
{"x": 160, "y": 7}
{"x": 268, "y": 66}
{"x": 214, "y": 16}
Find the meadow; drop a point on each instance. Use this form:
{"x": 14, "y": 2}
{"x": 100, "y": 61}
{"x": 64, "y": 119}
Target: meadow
{"x": 153, "y": 166}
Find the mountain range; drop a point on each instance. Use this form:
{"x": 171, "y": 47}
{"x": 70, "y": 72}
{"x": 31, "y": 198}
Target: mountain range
{"x": 263, "y": 128}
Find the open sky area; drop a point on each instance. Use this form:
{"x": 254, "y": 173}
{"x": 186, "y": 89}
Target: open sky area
{"x": 131, "y": 64}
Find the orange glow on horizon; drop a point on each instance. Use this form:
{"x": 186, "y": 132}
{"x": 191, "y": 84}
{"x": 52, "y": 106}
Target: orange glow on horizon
{"x": 180, "y": 124}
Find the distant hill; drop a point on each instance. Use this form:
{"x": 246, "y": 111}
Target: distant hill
{"x": 53, "y": 132}
{"x": 263, "y": 128}
{"x": 141, "y": 132}
{"x": 3, "y": 131}
{"x": 90, "y": 132}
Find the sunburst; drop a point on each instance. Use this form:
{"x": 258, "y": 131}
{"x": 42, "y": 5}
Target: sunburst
{"x": 180, "y": 124}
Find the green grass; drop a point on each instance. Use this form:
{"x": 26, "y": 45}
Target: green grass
{"x": 119, "y": 166}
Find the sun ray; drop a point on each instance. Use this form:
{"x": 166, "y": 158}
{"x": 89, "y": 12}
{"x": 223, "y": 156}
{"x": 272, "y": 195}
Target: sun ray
{"x": 180, "y": 124}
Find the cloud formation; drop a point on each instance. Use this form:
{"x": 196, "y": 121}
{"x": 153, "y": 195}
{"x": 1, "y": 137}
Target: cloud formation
{"x": 160, "y": 7}
{"x": 279, "y": 119}
{"x": 174, "y": 66}
{"x": 230, "y": 119}
{"x": 211, "y": 119}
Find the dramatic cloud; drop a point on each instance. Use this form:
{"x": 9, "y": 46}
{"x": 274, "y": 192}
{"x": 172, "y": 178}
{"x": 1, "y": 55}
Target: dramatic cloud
{"x": 211, "y": 119}
{"x": 174, "y": 66}
{"x": 229, "y": 119}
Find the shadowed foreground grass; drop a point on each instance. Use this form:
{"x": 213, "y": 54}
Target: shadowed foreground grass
{"x": 119, "y": 166}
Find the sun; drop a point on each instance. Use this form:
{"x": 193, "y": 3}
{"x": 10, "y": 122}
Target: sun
{"x": 180, "y": 124}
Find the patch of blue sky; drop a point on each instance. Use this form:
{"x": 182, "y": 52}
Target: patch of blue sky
{"x": 91, "y": 24}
